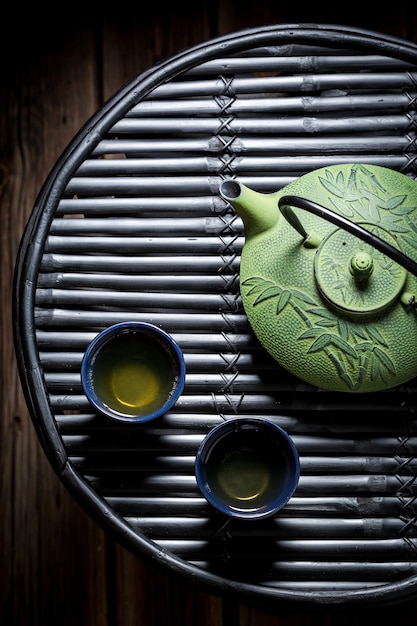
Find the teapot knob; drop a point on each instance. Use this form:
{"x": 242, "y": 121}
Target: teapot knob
{"x": 361, "y": 265}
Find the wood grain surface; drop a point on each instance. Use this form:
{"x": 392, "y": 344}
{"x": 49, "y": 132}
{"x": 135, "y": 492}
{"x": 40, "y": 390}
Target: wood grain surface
{"x": 57, "y": 566}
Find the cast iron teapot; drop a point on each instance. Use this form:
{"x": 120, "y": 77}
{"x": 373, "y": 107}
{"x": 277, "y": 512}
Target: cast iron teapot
{"x": 330, "y": 289}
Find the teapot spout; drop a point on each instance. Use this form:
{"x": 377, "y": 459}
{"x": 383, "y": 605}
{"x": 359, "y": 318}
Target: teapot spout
{"x": 259, "y": 211}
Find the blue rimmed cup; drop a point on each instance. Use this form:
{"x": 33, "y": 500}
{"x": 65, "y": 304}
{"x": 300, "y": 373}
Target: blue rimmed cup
{"x": 247, "y": 468}
{"x": 133, "y": 372}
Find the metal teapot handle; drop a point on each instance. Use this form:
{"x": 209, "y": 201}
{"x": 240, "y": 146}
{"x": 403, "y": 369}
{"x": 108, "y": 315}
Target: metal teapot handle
{"x": 286, "y": 202}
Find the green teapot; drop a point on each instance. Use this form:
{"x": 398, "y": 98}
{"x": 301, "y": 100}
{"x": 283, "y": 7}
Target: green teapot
{"x": 328, "y": 274}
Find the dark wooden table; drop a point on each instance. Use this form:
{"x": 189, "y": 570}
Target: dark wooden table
{"x": 58, "y": 565}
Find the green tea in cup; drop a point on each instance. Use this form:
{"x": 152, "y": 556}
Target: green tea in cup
{"x": 247, "y": 467}
{"x": 133, "y": 371}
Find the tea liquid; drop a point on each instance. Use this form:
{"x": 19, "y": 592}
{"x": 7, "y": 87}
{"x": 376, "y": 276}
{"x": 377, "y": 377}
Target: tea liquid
{"x": 245, "y": 470}
{"x": 133, "y": 374}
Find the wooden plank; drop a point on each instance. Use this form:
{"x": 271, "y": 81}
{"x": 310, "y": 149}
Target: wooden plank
{"x": 398, "y": 19}
{"x": 133, "y": 44}
{"x": 52, "y": 554}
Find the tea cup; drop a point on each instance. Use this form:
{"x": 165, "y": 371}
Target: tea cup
{"x": 247, "y": 467}
{"x": 133, "y": 372}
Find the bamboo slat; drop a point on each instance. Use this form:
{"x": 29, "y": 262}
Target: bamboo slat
{"x": 384, "y": 101}
{"x": 276, "y": 84}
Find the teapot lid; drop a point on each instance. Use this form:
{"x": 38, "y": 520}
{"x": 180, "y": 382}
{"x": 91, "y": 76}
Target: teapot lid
{"x": 353, "y": 276}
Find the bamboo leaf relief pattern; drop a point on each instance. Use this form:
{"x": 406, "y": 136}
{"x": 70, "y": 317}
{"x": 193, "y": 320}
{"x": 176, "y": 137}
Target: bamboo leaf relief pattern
{"x": 348, "y": 346}
{"x": 411, "y": 242}
{"x": 361, "y": 196}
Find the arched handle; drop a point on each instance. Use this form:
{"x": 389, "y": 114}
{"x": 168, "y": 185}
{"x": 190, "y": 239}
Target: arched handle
{"x": 286, "y": 202}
